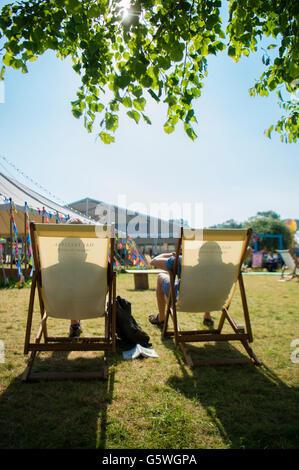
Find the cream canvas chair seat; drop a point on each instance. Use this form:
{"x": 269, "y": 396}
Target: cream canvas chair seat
{"x": 210, "y": 270}
{"x": 74, "y": 281}
{"x": 289, "y": 264}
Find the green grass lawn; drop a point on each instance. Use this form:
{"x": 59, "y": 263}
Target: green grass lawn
{"x": 157, "y": 403}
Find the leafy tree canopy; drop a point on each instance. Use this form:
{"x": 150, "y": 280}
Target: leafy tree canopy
{"x": 158, "y": 51}
{"x": 268, "y": 225}
{"x": 268, "y": 215}
{"x": 231, "y": 223}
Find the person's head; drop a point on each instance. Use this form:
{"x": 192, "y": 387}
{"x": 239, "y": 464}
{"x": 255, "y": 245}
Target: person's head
{"x": 210, "y": 252}
{"x": 71, "y": 250}
{"x": 74, "y": 220}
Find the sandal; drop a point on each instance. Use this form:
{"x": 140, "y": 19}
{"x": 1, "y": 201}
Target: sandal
{"x": 153, "y": 319}
{"x": 208, "y": 322}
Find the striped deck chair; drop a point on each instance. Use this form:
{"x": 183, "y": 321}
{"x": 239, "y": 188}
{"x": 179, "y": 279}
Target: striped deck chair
{"x": 211, "y": 268}
{"x": 289, "y": 264}
{"x": 74, "y": 281}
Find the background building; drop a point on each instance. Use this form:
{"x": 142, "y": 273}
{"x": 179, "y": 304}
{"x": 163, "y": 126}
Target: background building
{"x": 151, "y": 234}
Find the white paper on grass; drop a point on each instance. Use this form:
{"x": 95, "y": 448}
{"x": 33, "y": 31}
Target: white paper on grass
{"x": 139, "y": 350}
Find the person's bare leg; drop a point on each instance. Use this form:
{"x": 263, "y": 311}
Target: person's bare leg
{"x": 208, "y": 320}
{"x": 161, "y": 300}
{"x": 75, "y": 328}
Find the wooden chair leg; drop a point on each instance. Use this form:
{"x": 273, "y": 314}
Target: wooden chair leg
{"x": 221, "y": 322}
{"x": 251, "y": 354}
{"x": 187, "y": 356}
{"x": 27, "y": 371}
{"x": 30, "y": 314}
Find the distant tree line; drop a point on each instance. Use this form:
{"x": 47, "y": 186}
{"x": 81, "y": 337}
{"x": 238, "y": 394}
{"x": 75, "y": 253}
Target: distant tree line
{"x": 264, "y": 223}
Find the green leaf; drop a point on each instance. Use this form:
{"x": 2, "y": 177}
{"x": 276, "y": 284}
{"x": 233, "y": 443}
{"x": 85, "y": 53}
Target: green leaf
{"x": 177, "y": 52}
{"x": 111, "y": 122}
{"x": 122, "y": 81}
{"x": 231, "y": 51}
{"x": 134, "y": 115}
{"x": 106, "y": 138}
{"x": 127, "y": 102}
{"x": 73, "y": 6}
{"x": 139, "y": 104}
{"x": 137, "y": 91}
{"x": 272, "y": 83}
{"x": 189, "y": 131}
{"x": 168, "y": 128}
{"x": 93, "y": 12}
{"x": 146, "y": 81}
{"x": 96, "y": 107}
{"x": 76, "y": 113}
{"x": 2, "y": 72}
{"x": 89, "y": 127}
{"x": 147, "y": 119}
{"x": 7, "y": 59}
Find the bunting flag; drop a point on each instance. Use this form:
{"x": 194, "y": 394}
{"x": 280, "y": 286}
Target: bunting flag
{"x": 2, "y": 259}
{"x": 126, "y": 252}
{"x": 30, "y": 259}
{"x": 1, "y": 251}
{"x": 42, "y": 212}
{"x": 15, "y": 251}
{"x": 291, "y": 224}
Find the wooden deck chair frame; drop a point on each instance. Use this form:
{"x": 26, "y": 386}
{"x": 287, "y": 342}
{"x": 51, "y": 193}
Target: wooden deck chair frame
{"x": 240, "y": 333}
{"x": 104, "y": 343}
{"x": 293, "y": 274}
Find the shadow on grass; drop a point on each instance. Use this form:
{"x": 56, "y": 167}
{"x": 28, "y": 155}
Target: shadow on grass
{"x": 57, "y": 414}
{"x": 251, "y": 407}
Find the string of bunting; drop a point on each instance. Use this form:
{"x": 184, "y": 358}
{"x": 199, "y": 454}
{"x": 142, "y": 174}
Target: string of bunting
{"x": 126, "y": 249}
{"x": 15, "y": 250}
{"x": 30, "y": 258}
{"x": 47, "y": 215}
{"x": 53, "y": 196}
{"x": 2, "y": 240}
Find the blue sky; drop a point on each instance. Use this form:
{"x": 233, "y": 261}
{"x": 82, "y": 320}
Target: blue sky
{"x": 233, "y": 169}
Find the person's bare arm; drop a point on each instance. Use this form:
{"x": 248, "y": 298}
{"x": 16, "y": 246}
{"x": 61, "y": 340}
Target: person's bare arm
{"x": 159, "y": 261}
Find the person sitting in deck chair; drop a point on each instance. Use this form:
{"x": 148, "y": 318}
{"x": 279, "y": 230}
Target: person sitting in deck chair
{"x": 75, "y": 326}
{"x": 165, "y": 261}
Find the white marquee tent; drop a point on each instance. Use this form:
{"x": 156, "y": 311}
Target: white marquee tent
{"x": 19, "y": 199}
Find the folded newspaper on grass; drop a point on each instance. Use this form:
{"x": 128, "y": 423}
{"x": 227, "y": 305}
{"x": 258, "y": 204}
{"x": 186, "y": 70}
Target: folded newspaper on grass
{"x": 139, "y": 350}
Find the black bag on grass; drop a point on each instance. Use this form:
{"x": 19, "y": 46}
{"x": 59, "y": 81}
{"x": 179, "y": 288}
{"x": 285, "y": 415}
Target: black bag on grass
{"x": 127, "y": 328}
